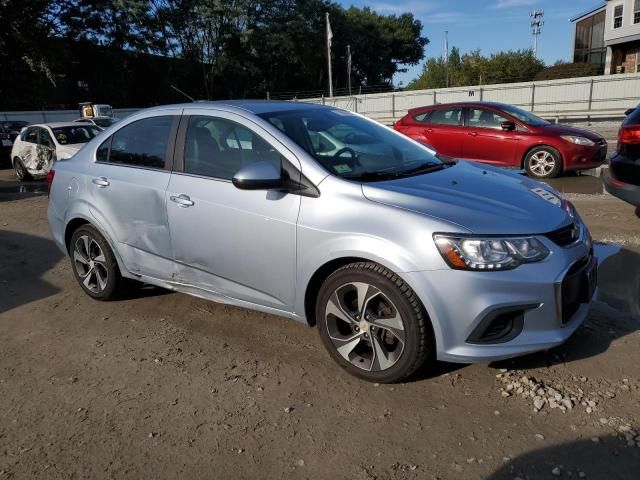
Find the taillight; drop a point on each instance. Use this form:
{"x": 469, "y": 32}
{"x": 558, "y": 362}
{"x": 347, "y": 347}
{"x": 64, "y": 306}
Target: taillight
{"x": 50, "y": 174}
{"x": 630, "y": 134}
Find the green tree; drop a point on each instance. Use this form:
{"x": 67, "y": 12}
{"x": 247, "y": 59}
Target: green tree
{"x": 473, "y": 69}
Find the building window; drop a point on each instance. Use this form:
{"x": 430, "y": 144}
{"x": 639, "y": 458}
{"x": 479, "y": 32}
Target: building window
{"x": 617, "y": 16}
{"x": 636, "y": 12}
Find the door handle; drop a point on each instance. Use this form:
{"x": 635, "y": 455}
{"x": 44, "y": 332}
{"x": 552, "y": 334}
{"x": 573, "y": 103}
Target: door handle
{"x": 473, "y": 134}
{"x": 182, "y": 200}
{"x": 101, "y": 182}
{"x": 428, "y": 130}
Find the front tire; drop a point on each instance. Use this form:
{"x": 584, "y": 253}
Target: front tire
{"x": 543, "y": 162}
{"x": 372, "y": 323}
{"x": 94, "y": 264}
{"x": 21, "y": 172}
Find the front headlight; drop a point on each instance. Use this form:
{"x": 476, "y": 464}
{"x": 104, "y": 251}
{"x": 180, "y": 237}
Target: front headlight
{"x": 585, "y": 142}
{"x": 477, "y": 253}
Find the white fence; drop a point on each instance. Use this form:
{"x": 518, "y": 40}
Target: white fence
{"x": 584, "y": 98}
{"x": 580, "y": 98}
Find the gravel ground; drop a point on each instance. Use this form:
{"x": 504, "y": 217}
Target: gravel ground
{"x": 163, "y": 385}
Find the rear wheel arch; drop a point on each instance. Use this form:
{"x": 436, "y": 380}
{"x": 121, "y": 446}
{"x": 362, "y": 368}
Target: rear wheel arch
{"x": 71, "y": 227}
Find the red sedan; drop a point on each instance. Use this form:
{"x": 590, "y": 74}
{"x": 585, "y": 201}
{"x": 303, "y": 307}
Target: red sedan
{"x": 505, "y": 136}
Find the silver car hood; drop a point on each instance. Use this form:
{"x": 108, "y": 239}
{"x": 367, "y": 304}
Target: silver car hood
{"x": 482, "y": 199}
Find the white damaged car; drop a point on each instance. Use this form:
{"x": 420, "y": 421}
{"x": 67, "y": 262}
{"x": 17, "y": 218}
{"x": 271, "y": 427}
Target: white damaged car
{"x": 38, "y": 146}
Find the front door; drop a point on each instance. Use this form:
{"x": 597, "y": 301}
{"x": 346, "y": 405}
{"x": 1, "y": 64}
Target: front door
{"x": 236, "y": 243}
{"x": 127, "y": 191}
{"x": 485, "y": 140}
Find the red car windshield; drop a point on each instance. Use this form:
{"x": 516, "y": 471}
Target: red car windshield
{"x": 524, "y": 116}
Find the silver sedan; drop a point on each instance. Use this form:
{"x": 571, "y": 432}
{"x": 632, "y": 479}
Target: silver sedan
{"x": 317, "y": 214}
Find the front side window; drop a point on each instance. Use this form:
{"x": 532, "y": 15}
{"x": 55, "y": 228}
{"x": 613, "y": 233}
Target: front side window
{"x": 139, "y": 144}
{"x": 218, "y": 148}
{"x": 483, "y": 118}
{"x": 617, "y": 16}
{"x": 443, "y": 116}
{"x": 352, "y": 147}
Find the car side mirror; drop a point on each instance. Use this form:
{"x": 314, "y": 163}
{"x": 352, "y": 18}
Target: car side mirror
{"x": 261, "y": 175}
{"x": 629, "y": 111}
{"x": 508, "y": 126}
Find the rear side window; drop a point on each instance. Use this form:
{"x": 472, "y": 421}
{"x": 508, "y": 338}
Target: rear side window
{"x": 451, "y": 116}
{"x": 139, "y": 144}
{"x": 422, "y": 117}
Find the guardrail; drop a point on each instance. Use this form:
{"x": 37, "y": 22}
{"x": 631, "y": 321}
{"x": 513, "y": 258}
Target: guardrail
{"x": 576, "y": 98}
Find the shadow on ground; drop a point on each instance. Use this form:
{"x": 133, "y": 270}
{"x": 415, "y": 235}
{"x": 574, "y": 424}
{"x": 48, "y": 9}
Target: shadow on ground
{"x": 605, "y": 458}
{"x": 614, "y": 314}
{"x": 24, "y": 259}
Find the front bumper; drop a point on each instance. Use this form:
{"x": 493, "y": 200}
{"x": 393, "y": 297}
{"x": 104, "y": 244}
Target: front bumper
{"x": 458, "y": 301}
{"x": 578, "y": 157}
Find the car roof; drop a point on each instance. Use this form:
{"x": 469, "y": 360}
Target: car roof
{"x": 253, "y": 106}
{"x": 497, "y": 105}
{"x": 56, "y": 124}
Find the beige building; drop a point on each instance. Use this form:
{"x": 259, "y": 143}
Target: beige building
{"x": 609, "y": 36}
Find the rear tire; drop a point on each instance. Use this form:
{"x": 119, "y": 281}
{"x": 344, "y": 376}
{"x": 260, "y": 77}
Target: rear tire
{"x": 372, "y": 323}
{"x": 21, "y": 172}
{"x": 543, "y": 162}
{"x": 94, "y": 264}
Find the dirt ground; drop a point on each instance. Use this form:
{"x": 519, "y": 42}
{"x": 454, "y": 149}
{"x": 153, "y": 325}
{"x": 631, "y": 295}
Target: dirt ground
{"x": 162, "y": 385}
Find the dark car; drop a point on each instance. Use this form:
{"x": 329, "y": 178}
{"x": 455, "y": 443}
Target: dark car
{"x": 623, "y": 178}
{"x": 9, "y": 130}
{"x": 505, "y": 136}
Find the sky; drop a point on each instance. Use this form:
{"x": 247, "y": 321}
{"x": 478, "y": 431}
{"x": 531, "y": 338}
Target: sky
{"x": 490, "y": 25}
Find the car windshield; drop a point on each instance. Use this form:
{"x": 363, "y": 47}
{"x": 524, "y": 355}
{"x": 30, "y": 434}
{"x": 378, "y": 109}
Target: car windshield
{"x": 75, "y": 134}
{"x": 352, "y": 147}
{"x": 524, "y": 116}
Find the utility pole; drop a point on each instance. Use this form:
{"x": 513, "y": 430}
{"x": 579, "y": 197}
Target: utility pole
{"x": 536, "y": 28}
{"x": 329, "y": 37}
{"x": 446, "y": 54}
{"x": 349, "y": 67}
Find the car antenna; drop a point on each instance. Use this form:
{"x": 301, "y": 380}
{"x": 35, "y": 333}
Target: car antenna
{"x": 180, "y": 91}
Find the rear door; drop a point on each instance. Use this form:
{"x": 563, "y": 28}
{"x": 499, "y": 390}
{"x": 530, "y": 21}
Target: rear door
{"x": 485, "y": 140}
{"x": 443, "y": 129}
{"x": 126, "y": 188}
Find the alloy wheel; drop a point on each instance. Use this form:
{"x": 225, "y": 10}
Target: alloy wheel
{"x": 90, "y": 264}
{"x": 365, "y": 327}
{"x": 542, "y": 163}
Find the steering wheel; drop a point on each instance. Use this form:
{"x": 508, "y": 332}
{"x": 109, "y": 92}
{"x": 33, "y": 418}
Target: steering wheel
{"x": 350, "y": 151}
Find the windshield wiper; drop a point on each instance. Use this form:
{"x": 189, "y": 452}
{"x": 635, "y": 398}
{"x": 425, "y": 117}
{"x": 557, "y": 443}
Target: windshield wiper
{"x": 392, "y": 174}
{"x": 426, "y": 168}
